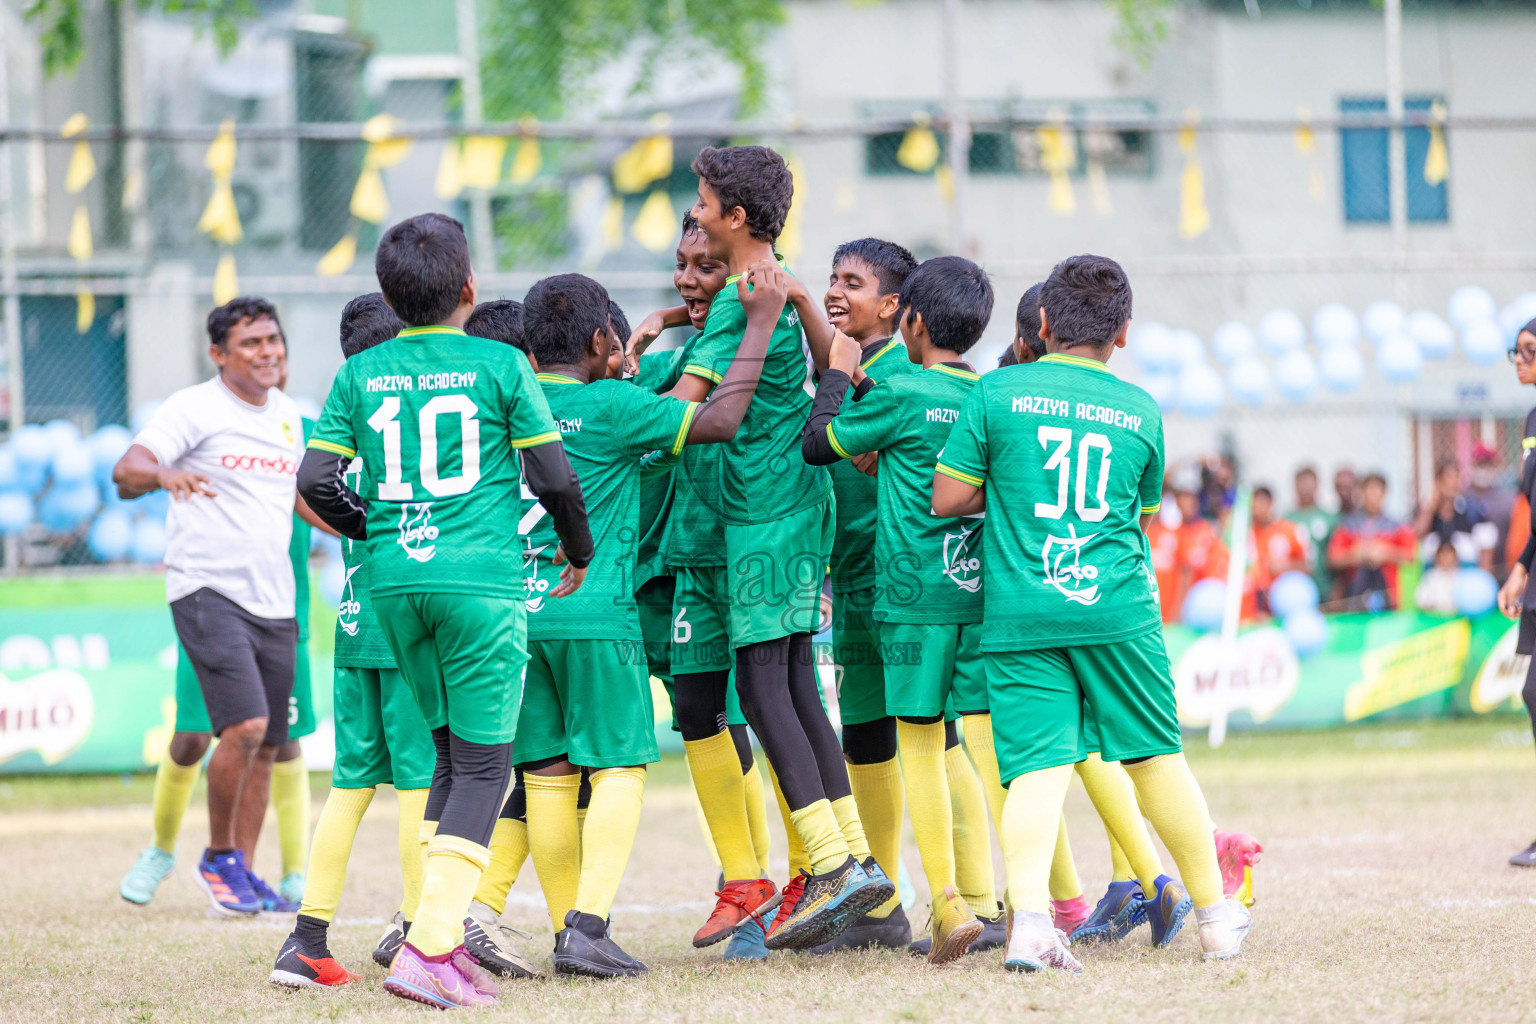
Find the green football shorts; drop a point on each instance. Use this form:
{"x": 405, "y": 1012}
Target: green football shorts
{"x": 775, "y": 571}
{"x": 1042, "y": 701}
{"x": 192, "y": 714}
{"x": 856, "y": 650}
{"x": 654, "y": 599}
{"x": 701, "y": 641}
{"x": 381, "y": 738}
{"x": 589, "y": 700}
{"x": 933, "y": 666}
{"x": 463, "y": 658}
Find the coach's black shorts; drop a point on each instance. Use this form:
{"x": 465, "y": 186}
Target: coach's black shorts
{"x": 1525, "y": 643}
{"x": 244, "y": 663}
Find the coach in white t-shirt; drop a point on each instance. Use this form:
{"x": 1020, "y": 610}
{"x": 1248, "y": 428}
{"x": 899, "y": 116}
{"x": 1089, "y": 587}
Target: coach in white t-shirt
{"x": 227, "y": 451}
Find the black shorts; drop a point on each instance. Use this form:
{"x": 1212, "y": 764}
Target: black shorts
{"x": 244, "y": 663}
{"x": 1525, "y": 643}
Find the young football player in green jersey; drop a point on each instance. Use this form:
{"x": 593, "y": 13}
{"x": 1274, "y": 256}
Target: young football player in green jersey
{"x": 927, "y": 600}
{"x": 690, "y": 544}
{"x": 381, "y": 738}
{"x": 1067, "y": 462}
{"x": 586, "y": 697}
{"x": 778, "y": 517}
{"x": 442, "y": 420}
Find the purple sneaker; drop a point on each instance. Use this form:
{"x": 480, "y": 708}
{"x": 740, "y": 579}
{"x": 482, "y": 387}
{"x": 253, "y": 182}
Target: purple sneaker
{"x": 433, "y": 980}
{"x": 228, "y": 884}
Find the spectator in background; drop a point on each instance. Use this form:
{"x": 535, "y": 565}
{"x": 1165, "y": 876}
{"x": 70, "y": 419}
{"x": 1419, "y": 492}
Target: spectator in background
{"x": 1367, "y": 548}
{"x": 1346, "y": 487}
{"x": 1493, "y": 499}
{"x": 1185, "y": 547}
{"x": 1274, "y": 546}
{"x": 1316, "y": 525}
{"x": 1437, "y": 587}
{"x": 1218, "y": 488}
{"x": 1448, "y": 517}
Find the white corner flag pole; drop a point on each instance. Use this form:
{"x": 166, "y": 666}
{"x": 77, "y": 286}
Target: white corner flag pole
{"x": 1237, "y": 570}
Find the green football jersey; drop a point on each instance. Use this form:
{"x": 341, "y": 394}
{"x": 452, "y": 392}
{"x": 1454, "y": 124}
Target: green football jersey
{"x": 1071, "y": 457}
{"x": 694, "y": 534}
{"x": 763, "y": 476}
{"x": 360, "y": 642}
{"x": 1318, "y": 526}
{"x": 853, "y": 544}
{"x": 658, "y": 372}
{"x": 606, "y": 426}
{"x": 437, "y": 417}
{"x": 927, "y": 567}
{"x": 298, "y": 555}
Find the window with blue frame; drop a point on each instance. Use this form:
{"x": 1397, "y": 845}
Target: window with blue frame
{"x": 1363, "y": 157}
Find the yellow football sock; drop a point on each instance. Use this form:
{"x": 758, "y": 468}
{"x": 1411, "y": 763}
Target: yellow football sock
{"x": 553, "y": 840}
{"x": 1031, "y": 821}
{"x": 1176, "y": 806}
{"x": 509, "y": 849}
{"x": 173, "y": 792}
{"x": 847, "y": 813}
{"x": 454, "y": 866}
{"x": 799, "y": 860}
{"x": 972, "y": 838}
{"x": 613, "y": 817}
{"x": 1065, "y": 885}
{"x": 878, "y": 791}
{"x": 921, "y": 749}
{"x": 423, "y": 837}
{"x": 1119, "y": 865}
{"x": 413, "y": 805}
{"x": 581, "y": 822}
{"x": 709, "y": 840}
{"x": 978, "y": 740}
{"x": 825, "y": 844}
{"x": 757, "y": 819}
{"x": 721, "y": 788}
{"x": 1114, "y": 797}
{"x": 290, "y": 801}
{"x": 334, "y": 834}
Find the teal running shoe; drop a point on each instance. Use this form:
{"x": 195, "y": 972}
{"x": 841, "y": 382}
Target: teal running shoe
{"x": 291, "y": 888}
{"x": 1167, "y": 909}
{"x": 747, "y": 941}
{"x": 141, "y": 881}
{"x": 832, "y": 902}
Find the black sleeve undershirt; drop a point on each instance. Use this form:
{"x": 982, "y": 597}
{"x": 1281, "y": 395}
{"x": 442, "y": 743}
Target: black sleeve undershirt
{"x": 321, "y": 484}
{"x": 830, "y": 391}
{"x": 550, "y": 477}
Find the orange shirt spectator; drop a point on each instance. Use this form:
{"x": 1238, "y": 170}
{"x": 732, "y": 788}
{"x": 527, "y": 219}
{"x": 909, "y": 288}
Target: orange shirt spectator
{"x": 1185, "y": 548}
{"x": 1274, "y": 546}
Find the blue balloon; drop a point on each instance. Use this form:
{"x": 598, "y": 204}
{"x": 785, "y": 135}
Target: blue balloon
{"x": 32, "y": 446}
{"x": 1342, "y": 369}
{"x": 111, "y": 535}
{"x": 1233, "y": 341}
{"x": 142, "y": 415}
{"x": 1483, "y": 342}
{"x": 107, "y": 446}
{"x": 61, "y": 432}
{"x": 1151, "y": 346}
{"x": 15, "y": 512}
{"x": 1516, "y": 315}
{"x": 1200, "y": 390}
{"x": 1399, "y": 359}
{"x": 1205, "y": 605}
{"x": 1248, "y": 380}
{"x": 10, "y": 473}
{"x": 1476, "y": 592}
{"x": 1163, "y": 387}
{"x": 1382, "y": 319}
{"x": 148, "y": 545}
{"x": 1307, "y": 631}
{"x": 1296, "y": 376}
{"x": 1435, "y": 337}
{"x": 1281, "y": 331}
{"x": 72, "y": 463}
{"x": 1292, "y": 592}
{"x": 1468, "y": 303}
{"x": 1187, "y": 347}
{"x": 1335, "y": 325}
{"x": 66, "y": 506}
{"x": 333, "y": 581}
{"x": 154, "y": 505}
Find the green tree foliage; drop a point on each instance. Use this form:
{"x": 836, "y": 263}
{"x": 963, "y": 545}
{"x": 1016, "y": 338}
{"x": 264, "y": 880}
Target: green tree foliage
{"x": 61, "y": 31}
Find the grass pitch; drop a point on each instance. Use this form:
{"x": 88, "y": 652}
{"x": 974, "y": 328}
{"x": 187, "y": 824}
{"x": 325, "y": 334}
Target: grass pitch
{"x": 1383, "y": 895}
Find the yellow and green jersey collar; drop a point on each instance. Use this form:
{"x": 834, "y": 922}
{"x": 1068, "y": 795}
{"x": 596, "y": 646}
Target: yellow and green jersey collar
{"x": 884, "y": 349}
{"x": 737, "y": 277}
{"x": 429, "y": 330}
{"x": 555, "y": 378}
{"x": 955, "y": 371}
{"x": 1063, "y": 358}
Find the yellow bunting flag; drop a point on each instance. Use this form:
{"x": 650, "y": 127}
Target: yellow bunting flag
{"x": 79, "y": 245}
{"x": 647, "y": 161}
{"x": 1437, "y": 164}
{"x": 1098, "y": 188}
{"x": 133, "y": 190}
{"x": 226, "y": 285}
{"x": 919, "y": 149}
{"x": 85, "y": 311}
{"x": 385, "y": 149}
{"x": 82, "y": 166}
{"x": 1194, "y": 216}
{"x": 1306, "y": 146}
{"x": 791, "y": 239}
{"x": 655, "y": 226}
{"x": 944, "y": 181}
{"x": 525, "y": 159}
{"x": 613, "y": 224}
{"x": 73, "y": 125}
{"x": 480, "y": 161}
{"x": 339, "y": 258}
{"x": 220, "y": 219}
{"x": 369, "y": 201}
{"x": 220, "y": 157}
{"x": 448, "y": 183}
{"x": 1058, "y": 156}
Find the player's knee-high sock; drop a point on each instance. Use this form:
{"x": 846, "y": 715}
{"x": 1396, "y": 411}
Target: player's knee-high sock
{"x": 1114, "y": 797}
{"x": 413, "y": 805}
{"x": 849, "y": 822}
{"x": 1031, "y": 820}
{"x": 454, "y": 866}
{"x": 798, "y": 859}
{"x": 583, "y": 800}
{"x": 553, "y": 841}
{"x": 334, "y": 834}
{"x": 722, "y": 792}
{"x": 825, "y": 845}
{"x": 290, "y": 801}
{"x": 609, "y": 836}
{"x": 509, "y": 850}
{"x": 972, "y": 836}
{"x": 978, "y": 740}
{"x": 173, "y": 792}
{"x": 878, "y": 791}
{"x": 1119, "y": 865}
{"x": 1065, "y": 885}
{"x": 921, "y": 749}
{"x": 1176, "y": 806}
{"x": 757, "y": 818}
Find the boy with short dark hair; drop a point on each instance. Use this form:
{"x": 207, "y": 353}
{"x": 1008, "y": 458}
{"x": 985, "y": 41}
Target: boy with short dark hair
{"x": 586, "y": 699}
{"x": 499, "y": 320}
{"x": 381, "y": 738}
{"x": 1067, "y": 462}
{"x": 1027, "y": 345}
{"x": 448, "y": 418}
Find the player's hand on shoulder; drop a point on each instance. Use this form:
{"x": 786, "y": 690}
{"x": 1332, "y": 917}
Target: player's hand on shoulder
{"x": 640, "y": 339}
{"x": 844, "y": 354}
{"x": 184, "y": 485}
{"x": 763, "y": 290}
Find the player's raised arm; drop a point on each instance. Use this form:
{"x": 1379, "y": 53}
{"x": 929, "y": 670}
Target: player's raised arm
{"x": 762, "y": 291}
{"x": 647, "y": 331}
{"x": 836, "y": 377}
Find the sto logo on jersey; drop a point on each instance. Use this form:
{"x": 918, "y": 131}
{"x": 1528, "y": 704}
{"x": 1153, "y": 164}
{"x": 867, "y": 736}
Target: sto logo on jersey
{"x": 350, "y": 608}
{"x": 416, "y": 530}
{"x": 962, "y": 568}
{"x": 1064, "y": 568}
